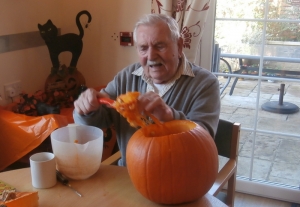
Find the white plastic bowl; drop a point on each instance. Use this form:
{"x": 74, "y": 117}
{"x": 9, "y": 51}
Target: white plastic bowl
{"x": 78, "y": 150}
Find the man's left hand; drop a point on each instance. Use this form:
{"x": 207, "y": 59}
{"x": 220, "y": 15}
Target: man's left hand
{"x": 152, "y": 103}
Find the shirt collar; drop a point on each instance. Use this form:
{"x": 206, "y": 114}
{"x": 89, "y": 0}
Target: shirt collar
{"x": 184, "y": 69}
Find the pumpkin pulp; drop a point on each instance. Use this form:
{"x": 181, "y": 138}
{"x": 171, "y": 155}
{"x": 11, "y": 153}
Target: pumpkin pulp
{"x": 165, "y": 129}
{"x": 126, "y": 105}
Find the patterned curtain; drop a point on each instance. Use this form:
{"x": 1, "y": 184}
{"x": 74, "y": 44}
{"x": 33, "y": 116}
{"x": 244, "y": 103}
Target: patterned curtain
{"x": 191, "y": 16}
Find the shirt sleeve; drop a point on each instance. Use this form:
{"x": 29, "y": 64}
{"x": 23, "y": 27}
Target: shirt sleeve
{"x": 99, "y": 118}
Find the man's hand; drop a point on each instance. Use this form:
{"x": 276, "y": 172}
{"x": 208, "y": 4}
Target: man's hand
{"x": 152, "y": 103}
{"x": 88, "y": 101}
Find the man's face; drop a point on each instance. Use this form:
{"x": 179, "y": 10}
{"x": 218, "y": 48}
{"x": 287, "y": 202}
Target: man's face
{"x": 155, "y": 46}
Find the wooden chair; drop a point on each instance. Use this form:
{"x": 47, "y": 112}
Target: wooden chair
{"x": 227, "y": 142}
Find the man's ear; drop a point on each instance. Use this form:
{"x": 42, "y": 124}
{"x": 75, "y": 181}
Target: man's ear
{"x": 180, "y": 46}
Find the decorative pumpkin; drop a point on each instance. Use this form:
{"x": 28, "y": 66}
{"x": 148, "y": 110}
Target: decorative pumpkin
{"x": 66, "y": 79}
{"x": 54, "y": 81}
{"x": 73, "y": 80}
{"x": 172, "y": 163}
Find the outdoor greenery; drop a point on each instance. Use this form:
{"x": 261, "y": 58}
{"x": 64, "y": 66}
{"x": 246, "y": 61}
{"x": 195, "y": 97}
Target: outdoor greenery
{"x": 279, "y": 31}
{"x": 250, "y": 32}
{"x": 239, "y": 30}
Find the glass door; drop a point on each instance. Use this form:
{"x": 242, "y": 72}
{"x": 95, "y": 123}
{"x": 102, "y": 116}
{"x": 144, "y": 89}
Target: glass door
{"x": 259, "y": 67}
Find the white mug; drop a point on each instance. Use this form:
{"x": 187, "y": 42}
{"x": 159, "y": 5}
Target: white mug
{"x": 43, "y": 170}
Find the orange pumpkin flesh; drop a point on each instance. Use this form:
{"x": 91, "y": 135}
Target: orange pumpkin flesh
{"x": 178, "y": 164}
{"x": 126, "y": 105}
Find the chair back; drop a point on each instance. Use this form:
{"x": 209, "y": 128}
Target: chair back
{"x": 227, "y": 142}
{"x": 226, "y": 138}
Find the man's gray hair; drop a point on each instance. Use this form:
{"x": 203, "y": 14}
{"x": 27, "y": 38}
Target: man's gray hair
{"x": 151, "y": 19}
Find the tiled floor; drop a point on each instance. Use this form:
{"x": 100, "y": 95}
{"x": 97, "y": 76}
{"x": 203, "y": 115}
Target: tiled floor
{"x": 276, "y": 155}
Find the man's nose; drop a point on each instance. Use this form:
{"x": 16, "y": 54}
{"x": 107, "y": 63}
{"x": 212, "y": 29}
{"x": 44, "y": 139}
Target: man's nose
{"x": 151, "y": 54}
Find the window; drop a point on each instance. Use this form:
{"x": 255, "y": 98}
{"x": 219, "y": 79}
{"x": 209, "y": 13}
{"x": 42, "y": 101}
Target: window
{"x": 260, "y": 54}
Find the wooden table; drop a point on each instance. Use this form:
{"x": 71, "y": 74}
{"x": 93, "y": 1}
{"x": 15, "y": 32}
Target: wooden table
{"x": 110, "y": 186}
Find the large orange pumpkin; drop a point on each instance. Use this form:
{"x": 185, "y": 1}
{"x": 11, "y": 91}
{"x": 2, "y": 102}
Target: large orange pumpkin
{"x": 172, "y": 163}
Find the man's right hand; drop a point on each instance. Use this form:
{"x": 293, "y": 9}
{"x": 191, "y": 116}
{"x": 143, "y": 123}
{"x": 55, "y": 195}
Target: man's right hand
{"x": 88, "y": 101}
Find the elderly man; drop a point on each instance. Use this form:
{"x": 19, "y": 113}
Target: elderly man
{"x": 170, "y": 86}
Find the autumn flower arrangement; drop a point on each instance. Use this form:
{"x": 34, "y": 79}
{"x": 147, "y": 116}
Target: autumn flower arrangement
{"x": 42, "y": 103}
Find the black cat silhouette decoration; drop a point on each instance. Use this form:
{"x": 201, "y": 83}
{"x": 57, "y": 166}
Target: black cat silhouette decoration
{"x": 67, "y": 42}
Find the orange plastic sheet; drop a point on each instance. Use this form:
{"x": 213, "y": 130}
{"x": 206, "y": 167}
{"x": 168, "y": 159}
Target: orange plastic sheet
{"x": 20, "y": 134}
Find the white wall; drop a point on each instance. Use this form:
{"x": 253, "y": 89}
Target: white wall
{"x": 31, "y": 66}
{"x": 102, "y": 56}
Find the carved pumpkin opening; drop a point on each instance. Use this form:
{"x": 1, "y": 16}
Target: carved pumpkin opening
{"x": 165, "y": 129}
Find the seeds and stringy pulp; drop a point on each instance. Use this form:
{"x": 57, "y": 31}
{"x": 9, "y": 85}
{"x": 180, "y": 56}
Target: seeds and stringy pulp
{"x": 126, "y": 105}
